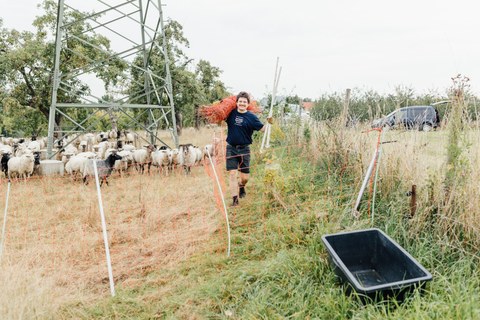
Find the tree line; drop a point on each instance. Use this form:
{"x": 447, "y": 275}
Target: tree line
{"x": 369, "y": 105}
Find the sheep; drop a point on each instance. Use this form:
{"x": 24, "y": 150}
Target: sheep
{"x": 208, "y": 150}
{"x": 128, "y": 147}
{"x": 174, "y": 159}
{"x": 34, "y": 146}
{"x": 5, "y": 157}
{"x": 6, "y": 149}
{"x": 161, "y": 159}
{"x": 187, "y": 156}
{"x": 21, "y": 166}
{"x": 71, "y": 149}
{"x": 104, "y": 168}
{"x": 36, "y": 162}
{"x": 75, "y": 165}
{"x": 126, "y": 162}
{"x": 101, "y": 136}
{"x": 19, "y": 149}
{"x": 66, "y": 157}
{"x": 89, "y": 140}
{"x": 142, "y": 157}
{"x": 213, "y": 149}
{"x": 88, "y": 154}
{"x": 102, "y": 149}
{"x": 113, "y": 134}
{"x": 83, "y": 146}
{"x": 199, "y": 155}
{"x": 131, "y": 138}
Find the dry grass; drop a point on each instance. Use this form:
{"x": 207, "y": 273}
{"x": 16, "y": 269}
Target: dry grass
{"x": 54, "y": 252}
{"x": 412, "y": 158}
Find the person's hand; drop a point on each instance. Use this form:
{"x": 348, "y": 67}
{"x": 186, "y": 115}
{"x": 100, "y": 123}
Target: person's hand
{"x": 270, "y": 120}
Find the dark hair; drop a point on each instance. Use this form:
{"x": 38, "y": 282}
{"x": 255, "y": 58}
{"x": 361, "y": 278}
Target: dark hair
{"x": 243, "y": 94}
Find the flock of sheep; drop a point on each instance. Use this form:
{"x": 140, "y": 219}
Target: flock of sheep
{"x": 111, "y": 151}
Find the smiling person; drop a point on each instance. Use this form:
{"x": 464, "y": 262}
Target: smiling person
{"x": 241, "y": 124}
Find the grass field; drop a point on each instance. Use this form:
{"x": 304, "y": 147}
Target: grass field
{"x": 168, "y": 239}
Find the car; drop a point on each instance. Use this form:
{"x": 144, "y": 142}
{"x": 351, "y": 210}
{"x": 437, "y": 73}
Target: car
{"x": 423, "y": 118}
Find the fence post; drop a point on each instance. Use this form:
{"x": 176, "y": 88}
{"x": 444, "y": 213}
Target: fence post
{"x": 104, "y": 230}
{"x": 413, "y": 201}
{"x": 4, "y": 227}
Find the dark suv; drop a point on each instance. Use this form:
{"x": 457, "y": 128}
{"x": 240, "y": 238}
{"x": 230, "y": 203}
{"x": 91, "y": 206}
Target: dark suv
{"x": 423, "y": 118}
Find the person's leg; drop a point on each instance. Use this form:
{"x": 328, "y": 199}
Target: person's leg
{"x": 242, "y": 183}
{"x": 232, "y": 167}
{"x": 244, "y": 172}
{"x": 233, "y": 182}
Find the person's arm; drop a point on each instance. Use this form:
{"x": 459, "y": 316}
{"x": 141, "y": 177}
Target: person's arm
{"x": 269, "y": 120}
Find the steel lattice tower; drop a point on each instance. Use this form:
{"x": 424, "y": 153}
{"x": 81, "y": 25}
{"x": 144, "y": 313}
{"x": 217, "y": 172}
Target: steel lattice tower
{"x": 138, "y": 27}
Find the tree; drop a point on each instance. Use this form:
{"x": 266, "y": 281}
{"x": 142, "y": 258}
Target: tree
{"x": 27, "y": 61}
{"x": 190, "y": 89}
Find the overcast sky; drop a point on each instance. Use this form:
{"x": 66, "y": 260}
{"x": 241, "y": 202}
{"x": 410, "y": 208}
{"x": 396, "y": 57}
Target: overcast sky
{"x": 324, "y": 46}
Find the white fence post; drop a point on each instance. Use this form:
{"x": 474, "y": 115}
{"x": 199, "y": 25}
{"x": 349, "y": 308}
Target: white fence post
{"x": 104, "y": 230}
{"x": 223, "y": 200}
{"x": 4, "y": 228}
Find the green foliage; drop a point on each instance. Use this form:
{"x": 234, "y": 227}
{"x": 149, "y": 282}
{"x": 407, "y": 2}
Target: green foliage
{"x": 190, "y": 89}
{"x": 368, "y": 105}
{"x": 27, "y": 61}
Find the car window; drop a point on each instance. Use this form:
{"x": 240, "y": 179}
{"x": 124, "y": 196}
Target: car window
{"x": 400, "y": 115}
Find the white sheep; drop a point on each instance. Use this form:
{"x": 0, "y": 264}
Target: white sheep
{"x": 142, "y": 157}
{"x": 34, "y": 146}
{"x": 21, "y": 166}
{"x": 102, "y": 149}
{"x": 88, "y": 154}
{"x": 187, "y": 156}
{"x": 161, "y": 159}
{"x": 125, "y": 163}
{"x": 174, "y": 159}
{"x": 71, "y": 149}
{"x": 199, "y": 155}
{"x": 76, "y": 165}
{"x": 113, "y": 134}
{"x": 128, "y": 147}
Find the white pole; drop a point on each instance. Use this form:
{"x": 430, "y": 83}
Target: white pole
{"x": 223, "y": 200}
{"x": 266, "y": 134}
{"x": 364, "y": 184}
{"x": 376, "y": 174}
{"x": 104, "y": 230}
{"x": 270, "y": 113}
{"x": 4, "y": 228}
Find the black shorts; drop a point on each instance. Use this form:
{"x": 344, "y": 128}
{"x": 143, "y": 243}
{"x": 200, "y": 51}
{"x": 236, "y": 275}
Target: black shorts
{"x": 238, "y": 158}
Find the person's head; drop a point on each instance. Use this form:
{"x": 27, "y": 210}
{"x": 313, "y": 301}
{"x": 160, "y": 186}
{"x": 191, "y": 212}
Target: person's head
{"x": 243, "y": 99}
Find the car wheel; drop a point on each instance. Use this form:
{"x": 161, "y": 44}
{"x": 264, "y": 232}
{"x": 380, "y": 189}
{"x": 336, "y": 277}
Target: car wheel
{"x": 427, "y": 127}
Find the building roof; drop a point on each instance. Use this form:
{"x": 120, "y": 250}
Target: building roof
{"x": 307, "y": 105}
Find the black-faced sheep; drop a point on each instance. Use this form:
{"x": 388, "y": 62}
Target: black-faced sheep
{"x": 104, "y": 168}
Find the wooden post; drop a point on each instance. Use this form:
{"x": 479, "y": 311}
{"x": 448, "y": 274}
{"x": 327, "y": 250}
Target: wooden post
{"x": 346, "y": 104}
{"x": 413, "y": 201}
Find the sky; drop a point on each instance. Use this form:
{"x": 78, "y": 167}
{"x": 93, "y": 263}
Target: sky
{"x": 323, "y": 46}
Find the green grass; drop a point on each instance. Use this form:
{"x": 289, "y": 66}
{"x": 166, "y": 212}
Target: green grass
{"x": 279, "y": 269}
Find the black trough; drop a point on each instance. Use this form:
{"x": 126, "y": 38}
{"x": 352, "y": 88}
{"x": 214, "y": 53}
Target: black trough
{"x": 373, "y": 264}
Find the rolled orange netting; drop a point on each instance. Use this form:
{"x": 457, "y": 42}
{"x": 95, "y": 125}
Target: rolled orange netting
{"x": 220, "y": 111}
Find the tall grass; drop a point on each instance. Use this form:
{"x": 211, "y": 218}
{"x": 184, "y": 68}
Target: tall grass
{"x": 279, "y": 269}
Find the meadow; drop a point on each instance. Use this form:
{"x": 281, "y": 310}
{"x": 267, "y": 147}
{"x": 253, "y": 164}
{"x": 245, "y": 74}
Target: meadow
{"x": 169, "y": 244}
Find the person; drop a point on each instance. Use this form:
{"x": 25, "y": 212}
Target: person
{"x": 241, "y": 124}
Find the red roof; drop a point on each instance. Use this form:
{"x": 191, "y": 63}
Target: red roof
{"x": 307, "y": 105}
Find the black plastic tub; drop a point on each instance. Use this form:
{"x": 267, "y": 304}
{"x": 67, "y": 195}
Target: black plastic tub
{"x": 374, "y": 265}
